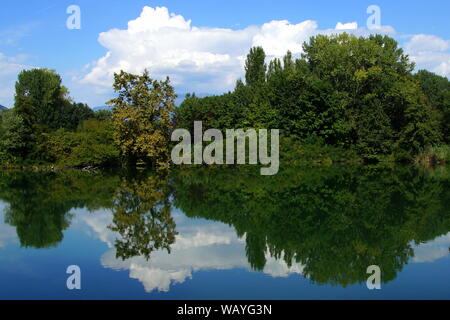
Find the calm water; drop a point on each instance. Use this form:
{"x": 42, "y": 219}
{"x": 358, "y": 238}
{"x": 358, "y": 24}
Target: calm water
{"x": 306, "y": 233}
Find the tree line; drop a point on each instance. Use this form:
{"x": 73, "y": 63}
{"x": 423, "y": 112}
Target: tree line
{"x": 344, "y": 98}
{"x": 350, "y": 93}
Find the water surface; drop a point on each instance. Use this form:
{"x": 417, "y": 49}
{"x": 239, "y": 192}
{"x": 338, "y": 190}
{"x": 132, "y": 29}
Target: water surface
{"x": 226, "y": 233}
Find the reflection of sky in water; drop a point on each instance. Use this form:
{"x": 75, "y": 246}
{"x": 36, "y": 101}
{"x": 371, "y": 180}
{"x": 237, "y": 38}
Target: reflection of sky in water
{"x": 433, "y": 250}
{"x": 201, "y": 246}
{"x": 7, "y": 233}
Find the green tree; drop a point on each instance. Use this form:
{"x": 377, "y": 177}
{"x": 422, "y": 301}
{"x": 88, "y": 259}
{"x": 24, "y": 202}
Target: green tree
{"x": 142, "y": 118}
{"x": 14, "y": 137}
{"x": 437, "y": 90}
{"x": 255, "y": 67}
{"x": 73, "y": 114}
{"x": 102, "y": 115}
{"x": 39, "y": 98}
{"x": 92, "y": 144}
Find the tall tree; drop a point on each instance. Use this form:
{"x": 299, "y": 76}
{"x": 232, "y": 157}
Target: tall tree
{"x": 142, "y": 117}
{"x": 255, "y": 66}
{"x": 40, "y": 98}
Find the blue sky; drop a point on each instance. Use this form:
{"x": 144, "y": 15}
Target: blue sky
{"x": 204, "y": 55}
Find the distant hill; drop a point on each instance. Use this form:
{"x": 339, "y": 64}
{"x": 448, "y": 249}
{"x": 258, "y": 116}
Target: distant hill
{"x": 101, "y": 108}
{"x": 178, "y": 101}
{"x": 2, "y": 108}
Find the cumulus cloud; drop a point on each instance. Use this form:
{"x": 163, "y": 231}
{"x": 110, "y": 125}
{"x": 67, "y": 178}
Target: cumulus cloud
{"x": 430, "y": 52}
{"x": 9, "y": 69}
{"x": 200, "y": 59}
{"x": 167, "y": 44}
{"x": 423, "y": 43}
{"x": 277, "y": 37}
{"x": 346, "y": 26}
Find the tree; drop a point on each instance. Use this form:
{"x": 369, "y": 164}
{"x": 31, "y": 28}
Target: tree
{"x": 40, "y": 98}
{"x": 15, "y": 136}
{"x": 92, "y": 144}
{"x": 103, "y": 115}
{"x": 95, "y": 145}
{"x": 255, "y": 66}
{"x": 437, "y": 91}
{"x": 142, "y": 118}
{"x": 73, "y": 114}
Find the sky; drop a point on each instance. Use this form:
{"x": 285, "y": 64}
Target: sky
{"x": 200, "y": 44}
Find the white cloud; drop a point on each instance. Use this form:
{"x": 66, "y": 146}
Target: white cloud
{"x": 167, "y": 44}
{"x": 346, "y": 26}
{"x": 423, "y": 43}
{"x": 277, "y": 37}
{"x": 430, "y": 52}
{"x": 432, "y": 250}
{"x": 200, "y": 59}
{"x": 9, "y": 69}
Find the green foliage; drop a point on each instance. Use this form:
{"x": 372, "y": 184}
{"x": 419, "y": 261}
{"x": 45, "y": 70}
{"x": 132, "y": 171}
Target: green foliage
{"x": 14, "y": 137}
{"x": 90, "y": 145}
{"x": 142, "y": 118}
{"x": 255, "y": 67}
{"x": 437, "y": 91}
{"x": 74, "y": 114}
{"x": 313, "y": 150}
{"x": 218, "y": 112}
{"x": 434, "y": 155}
{"x": 354, "y": 93}
{"x": 103, "y": 115}
{"x": 42, "y": 108}
{"x": 95, "y": 145}
{"x": 356, "y": 96}
{"x": 40, "y": 98}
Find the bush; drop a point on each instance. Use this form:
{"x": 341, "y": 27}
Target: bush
{"x": 91, "y": 145}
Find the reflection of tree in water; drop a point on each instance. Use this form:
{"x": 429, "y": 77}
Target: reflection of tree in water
{"x": 39, "y": 202}
{"x": 38, "y": 225}
{"x": 142, "y": 217}
{"x": 334, "y": 221}
{"x": 39, "y": 205}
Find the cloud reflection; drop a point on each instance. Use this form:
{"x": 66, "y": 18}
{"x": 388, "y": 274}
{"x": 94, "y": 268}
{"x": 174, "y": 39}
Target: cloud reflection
{"x": 200, "y": 245}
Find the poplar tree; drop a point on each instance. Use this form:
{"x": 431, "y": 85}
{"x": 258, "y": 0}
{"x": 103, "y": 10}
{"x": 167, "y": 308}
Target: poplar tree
{"x": 255, "y": 67}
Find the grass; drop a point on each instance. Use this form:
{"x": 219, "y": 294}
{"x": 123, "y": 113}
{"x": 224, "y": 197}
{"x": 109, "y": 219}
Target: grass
{"x": 434, "y": 156}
